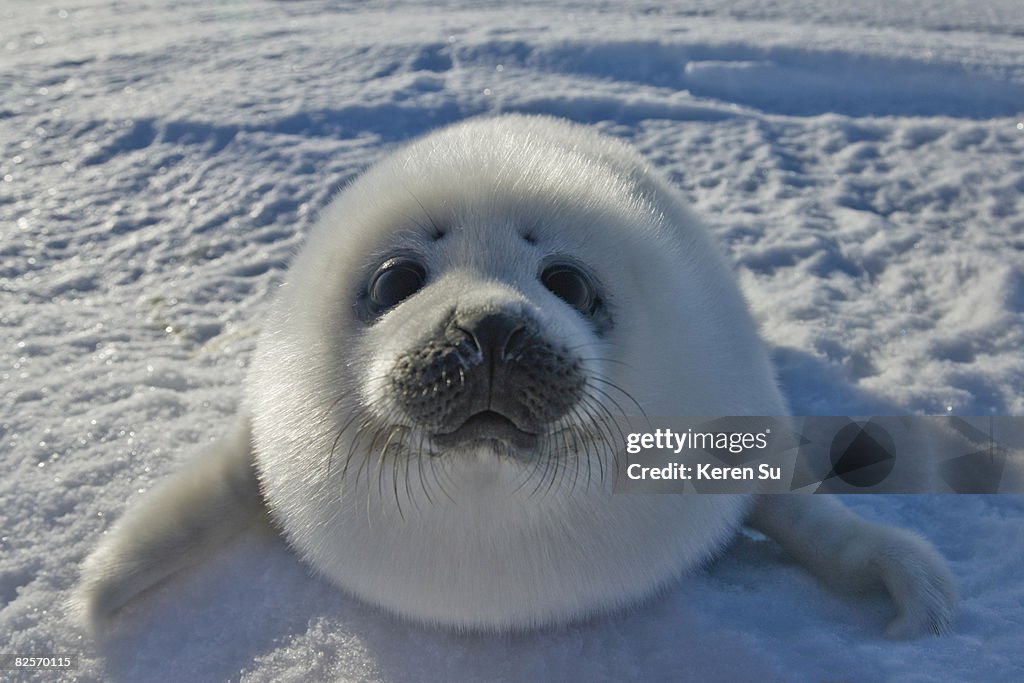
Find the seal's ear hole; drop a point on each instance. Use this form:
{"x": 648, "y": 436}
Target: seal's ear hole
{"x": 396, "y": 279}
{"x": 571, "y": 285}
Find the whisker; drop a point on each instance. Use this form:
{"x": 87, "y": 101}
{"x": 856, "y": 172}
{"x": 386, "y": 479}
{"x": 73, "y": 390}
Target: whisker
{"x": 622, "y": 391}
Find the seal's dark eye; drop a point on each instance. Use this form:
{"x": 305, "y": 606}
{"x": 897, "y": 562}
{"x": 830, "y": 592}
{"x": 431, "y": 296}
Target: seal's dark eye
{"x": 572, "y": 285}
{"x": 395, "y": 280}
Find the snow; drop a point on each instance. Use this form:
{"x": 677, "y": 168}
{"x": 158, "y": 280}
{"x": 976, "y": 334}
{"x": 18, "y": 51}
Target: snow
{"x": 863, "y": 164}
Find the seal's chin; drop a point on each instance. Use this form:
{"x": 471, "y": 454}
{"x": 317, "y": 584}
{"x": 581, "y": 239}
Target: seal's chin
{"x": 489, "y": 427}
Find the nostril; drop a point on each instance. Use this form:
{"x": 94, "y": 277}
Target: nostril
{"x": 466, "y": 344}
{"x": 515, "y": 341}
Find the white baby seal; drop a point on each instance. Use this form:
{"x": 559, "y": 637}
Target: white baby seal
{"x": 426, "y": 412}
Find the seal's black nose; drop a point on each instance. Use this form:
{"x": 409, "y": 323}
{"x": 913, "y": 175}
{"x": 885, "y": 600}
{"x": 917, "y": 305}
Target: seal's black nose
{"x": 492, "y": 332}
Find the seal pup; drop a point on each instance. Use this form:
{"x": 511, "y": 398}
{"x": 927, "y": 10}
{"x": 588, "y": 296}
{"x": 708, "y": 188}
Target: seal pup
{"x": 427, "y": 415}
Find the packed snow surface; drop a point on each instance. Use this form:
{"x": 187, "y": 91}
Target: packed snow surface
{"x": 862, "y": 164}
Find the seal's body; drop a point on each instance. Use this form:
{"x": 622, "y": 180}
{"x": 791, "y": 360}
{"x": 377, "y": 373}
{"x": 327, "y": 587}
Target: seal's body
{"x": 429, "y": 412}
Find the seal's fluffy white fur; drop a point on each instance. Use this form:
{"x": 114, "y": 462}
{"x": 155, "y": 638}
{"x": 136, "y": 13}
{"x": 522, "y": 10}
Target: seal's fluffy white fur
{"x": 457, "y": 538}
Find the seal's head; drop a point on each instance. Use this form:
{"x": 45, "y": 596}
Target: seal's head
{"x": 433, "y": 397}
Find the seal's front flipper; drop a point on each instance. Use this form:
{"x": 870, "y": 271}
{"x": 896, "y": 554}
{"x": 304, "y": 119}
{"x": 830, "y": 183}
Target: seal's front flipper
{"x": 852, "y": 554}
{"x": 211, "y": 500}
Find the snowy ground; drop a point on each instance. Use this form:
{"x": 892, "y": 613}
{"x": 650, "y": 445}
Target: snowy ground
{"x": 862, "y": 162}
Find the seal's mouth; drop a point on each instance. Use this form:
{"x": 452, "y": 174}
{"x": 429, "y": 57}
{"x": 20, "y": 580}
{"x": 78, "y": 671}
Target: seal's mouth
{"x": 488, "y": 425}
